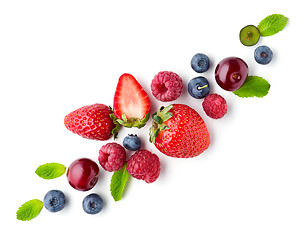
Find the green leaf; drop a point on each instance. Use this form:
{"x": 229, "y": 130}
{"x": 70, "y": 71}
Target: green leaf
{"x": 167, "y": 116}
{"x": 29, "y": 210}
{"x": 117, "y": 127}
{"x": 156, "y": 133}
{"x": 143, "y": 121}
{"x": 121, "y": 122}
{"x": 124, "y": 117}
{"x": 50, "y": 170}
{"x": 152, "y": 134}
{"x": 166, "y": 109}
{"x": 253, "y": 87}
{"x": 158, "y": 119}
{"x": 164, "y": 113}
{"x": 117, "y": 184}
{"x": 272, "y": 24}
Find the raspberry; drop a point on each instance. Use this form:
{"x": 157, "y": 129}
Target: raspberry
{"x": 215, "y": 106}
{"x": 144, "y": 165}
{"x": 112, "y": 157}
{"x": 167, "y": 86}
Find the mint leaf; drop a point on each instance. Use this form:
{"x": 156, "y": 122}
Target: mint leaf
{"x": 272, "y": 24}
{"x": 50, "y": 170}
{"x": 29, "y": 210}
{"x": 253, "y": 87}
{"x": 117, "y": 184}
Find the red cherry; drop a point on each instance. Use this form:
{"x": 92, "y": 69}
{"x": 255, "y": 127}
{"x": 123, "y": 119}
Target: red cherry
{"x": 231, "y": 73}
{"x": 82, "y": 174}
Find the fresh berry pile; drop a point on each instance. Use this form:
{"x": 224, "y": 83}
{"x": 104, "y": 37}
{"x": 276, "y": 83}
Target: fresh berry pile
{"x": 176, "y": 130}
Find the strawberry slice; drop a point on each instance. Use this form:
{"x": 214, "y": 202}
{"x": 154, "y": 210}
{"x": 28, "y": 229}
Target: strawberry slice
{"x": 131, "y": 104}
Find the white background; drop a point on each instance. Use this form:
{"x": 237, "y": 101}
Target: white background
{"x": 57, "y": 56}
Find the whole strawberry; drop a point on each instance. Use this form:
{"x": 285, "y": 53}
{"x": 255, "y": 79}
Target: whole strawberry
{"x": 179, "y": 131}
{"x": 92, "y": 122}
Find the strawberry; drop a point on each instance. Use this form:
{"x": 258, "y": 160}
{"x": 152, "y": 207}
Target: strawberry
{"x": 131, "y": 104}
{"x": 92, "y": 121}
{"x": 179, "y": 131}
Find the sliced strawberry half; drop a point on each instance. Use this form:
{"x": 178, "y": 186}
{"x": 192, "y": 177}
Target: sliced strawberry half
{"x": 131, "y": 104}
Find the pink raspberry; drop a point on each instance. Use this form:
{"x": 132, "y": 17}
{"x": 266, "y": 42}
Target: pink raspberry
{"x": 144, "y": 165}
{"x": 112, "y": 157}
{"x": 167, "y": 86}
{"x": 215, "y": 106}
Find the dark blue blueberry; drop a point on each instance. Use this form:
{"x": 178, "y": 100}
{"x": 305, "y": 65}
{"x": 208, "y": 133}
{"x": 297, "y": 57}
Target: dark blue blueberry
{"x": 132, "y": 142}
{"x": 263, "y": 55}
{"x": 200, "y": 63}
{"x": 199, "y": 87}
{"x": 92, "y": 204}
{"x": 54, "y": 201}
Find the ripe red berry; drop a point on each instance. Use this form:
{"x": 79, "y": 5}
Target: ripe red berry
{"x": 92, "y": 122}
{"x": 215, "y": 106}
{"x": 179, "y": 131}
{"x": 231, "y": 73}
{"x": 166, "y": 86}
{"x": 144, "y": 165}
{"x": 82, "y": 174}
{"x": 112, "y": 157}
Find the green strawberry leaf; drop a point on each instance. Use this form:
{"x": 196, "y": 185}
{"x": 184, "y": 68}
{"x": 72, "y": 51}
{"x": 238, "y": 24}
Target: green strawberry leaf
{"x": 144, "y": 121}
{"x": 159, "y": 118}
{"x": 164, "y": 113}
{"x": 118, "y": 182}
{"x": 133, "y": 122}
{"x": 117, "y": 127}
{"x": 272, "y": 24}
{"x": 29, "y": 210}
{"x": 253, "y": 86}
{"x": 50, "y": 170}
{"x": 124, "y": 117}
{"x": 165, "y": 110}
{"x": 153, "y": 134}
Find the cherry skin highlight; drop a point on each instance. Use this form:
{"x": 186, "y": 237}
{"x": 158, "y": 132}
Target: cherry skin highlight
{"x": 82, "y": 174}
{"x": 231, "y": 73}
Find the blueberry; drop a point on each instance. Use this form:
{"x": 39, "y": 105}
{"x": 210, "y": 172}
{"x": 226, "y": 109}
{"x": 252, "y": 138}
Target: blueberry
{"x": 263, "y": 55}
{"x": 54, "y": 201}
{"x": 200, "y": 63}
{"x": 132, "y": 142}
{"x": 199, "y": 87}
{"x": 92, "y": 204}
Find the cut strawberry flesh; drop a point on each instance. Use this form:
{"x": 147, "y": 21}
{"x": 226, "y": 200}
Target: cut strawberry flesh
{"x": 130, "y": 99}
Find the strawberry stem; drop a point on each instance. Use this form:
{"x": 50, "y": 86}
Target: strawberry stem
{"x": 117, "y": 127}
{"x": 159, "y": 119}
{"x": 133, "y": 122}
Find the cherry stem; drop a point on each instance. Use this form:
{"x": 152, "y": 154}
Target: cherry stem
{"x": 202, "y": 87}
